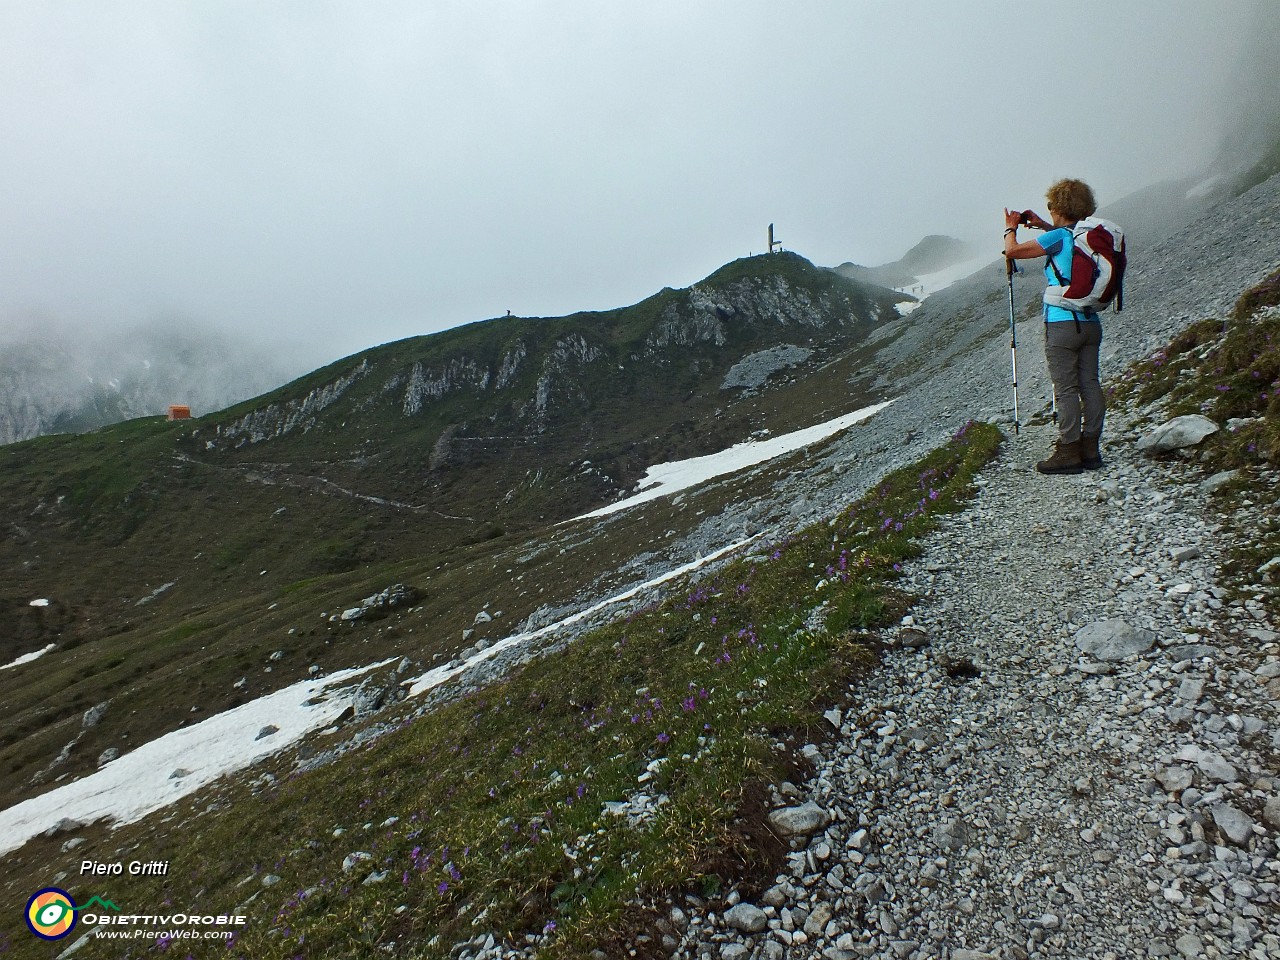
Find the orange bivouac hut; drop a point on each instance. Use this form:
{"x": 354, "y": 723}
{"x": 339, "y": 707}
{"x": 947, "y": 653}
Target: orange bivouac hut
{"x": 179, "y": 412}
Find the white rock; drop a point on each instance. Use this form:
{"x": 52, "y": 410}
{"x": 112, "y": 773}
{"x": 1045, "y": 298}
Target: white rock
{"x": 1178, "y": 433}
{"x": 353, "y": 860}
{"x": 1191, "y": 690}
{"x": 746, "y": 917}
{"x": 1190, "y": 946}
{"x": 1113, "y": 640}
{"x": 1217, "y": 482}
{"x": 803, "y": 820}
{"x": 1271, "y": 812}
{"x": 1174, "y": 779}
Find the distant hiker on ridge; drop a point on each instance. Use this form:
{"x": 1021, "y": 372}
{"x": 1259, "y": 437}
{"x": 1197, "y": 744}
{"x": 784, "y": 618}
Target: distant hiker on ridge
{"x": 1072, "y": 336}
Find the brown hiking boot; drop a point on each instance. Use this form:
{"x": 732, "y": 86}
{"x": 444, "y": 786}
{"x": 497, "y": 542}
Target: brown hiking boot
{"x": 1065, "y": 459}
{"x": 1090, "y": 455}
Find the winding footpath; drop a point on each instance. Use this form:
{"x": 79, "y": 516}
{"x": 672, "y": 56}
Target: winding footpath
{"x": 995, "y": 791}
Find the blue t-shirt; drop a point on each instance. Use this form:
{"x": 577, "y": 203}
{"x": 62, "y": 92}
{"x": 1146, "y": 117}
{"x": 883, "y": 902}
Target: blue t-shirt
{"x": 1058, "y": 244}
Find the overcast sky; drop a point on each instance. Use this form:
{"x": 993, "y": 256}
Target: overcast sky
{"x": 348, "y": 173}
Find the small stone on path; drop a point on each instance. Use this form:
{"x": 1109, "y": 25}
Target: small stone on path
{"x": 1114, "y": 640}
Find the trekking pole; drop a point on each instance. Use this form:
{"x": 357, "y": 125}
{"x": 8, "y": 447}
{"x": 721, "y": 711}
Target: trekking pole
{"x": 1053, "y": 403}
{"x": 1010, "y": 269}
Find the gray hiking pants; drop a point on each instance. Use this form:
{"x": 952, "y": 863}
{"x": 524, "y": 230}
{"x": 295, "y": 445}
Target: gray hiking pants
{"x": 1071, "y": 350}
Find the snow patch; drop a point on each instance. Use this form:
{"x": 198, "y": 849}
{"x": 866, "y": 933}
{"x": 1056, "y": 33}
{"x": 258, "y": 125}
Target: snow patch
{"x": 1203, "y": 188}
{"x": 156, "y": 592}
{"x": 930, "y": 283}
{"x": 28, "y": 657}
{"x": 141, "y": 782}
{"x": 668, "y": 478}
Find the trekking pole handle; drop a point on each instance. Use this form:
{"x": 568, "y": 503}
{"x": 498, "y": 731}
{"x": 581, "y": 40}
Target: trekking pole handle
{"x": 1010, "y": 270}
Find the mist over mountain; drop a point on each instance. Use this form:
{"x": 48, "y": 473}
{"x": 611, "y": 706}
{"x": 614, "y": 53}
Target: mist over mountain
{"x": 1251, "y": 138}
{"x": 54, "y": 380}
{"x": 933, "y": 253}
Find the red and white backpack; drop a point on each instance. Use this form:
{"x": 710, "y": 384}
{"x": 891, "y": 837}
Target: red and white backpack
{"x": 1097, "y": 269}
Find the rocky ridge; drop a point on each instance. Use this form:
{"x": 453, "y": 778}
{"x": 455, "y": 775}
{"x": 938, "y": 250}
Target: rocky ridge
{"x": 523, "y": 374}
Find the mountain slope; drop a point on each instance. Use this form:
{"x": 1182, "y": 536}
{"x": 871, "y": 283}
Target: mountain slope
{"x": 186, "y": 554}
{"x": 510, "y": 395}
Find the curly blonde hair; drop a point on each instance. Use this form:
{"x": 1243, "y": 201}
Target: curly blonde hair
{"x": 1072, "y": 199}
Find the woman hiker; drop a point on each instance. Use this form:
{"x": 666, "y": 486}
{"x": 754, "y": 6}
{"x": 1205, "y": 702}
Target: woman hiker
{"x": 1071, "y": 339}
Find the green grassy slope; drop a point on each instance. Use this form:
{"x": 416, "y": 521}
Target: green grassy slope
{"x": 177, "y": 558}
{"x": 489, "y": 814}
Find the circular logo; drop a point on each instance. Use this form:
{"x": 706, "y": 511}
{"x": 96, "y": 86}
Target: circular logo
{"x": 51, "y": 913}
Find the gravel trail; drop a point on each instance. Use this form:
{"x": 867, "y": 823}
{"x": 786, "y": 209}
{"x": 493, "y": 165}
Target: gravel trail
{"x": 995, "y": 791}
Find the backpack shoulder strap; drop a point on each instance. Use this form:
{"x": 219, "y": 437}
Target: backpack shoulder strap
{"x": 1053, "y": 266}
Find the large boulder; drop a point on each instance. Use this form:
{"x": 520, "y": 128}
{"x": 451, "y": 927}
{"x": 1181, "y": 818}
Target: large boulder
{"x": 93, "y": 716}
{"x": 1176, "y": 434}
